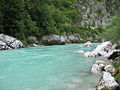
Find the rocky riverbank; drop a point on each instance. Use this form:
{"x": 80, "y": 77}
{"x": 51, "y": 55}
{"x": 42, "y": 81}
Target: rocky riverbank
{"x": 105, "y": 67}
{"x": 8, "y": 42}
{"x": 107, "y": 50}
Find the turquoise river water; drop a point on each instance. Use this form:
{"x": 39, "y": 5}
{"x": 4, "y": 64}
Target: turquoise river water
{"x": 47, "y": 68}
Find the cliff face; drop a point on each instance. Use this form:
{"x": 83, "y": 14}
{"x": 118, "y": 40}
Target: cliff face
{"x": 97, "y": 12}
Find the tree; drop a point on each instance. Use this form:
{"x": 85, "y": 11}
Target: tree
{"x": 1, "y": 17}
{"x": 16, "y": 18}
{"x": 112, "y": 31}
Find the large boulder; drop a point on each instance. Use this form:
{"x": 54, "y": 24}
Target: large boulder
{"x": 7, "y": 39}
{"x": 108, "y": 82}
{"x": 51, "y": 39}
{"x": 105, "y": 49}
{"x": 60, "y": 40}
{"x": 7, "y": 42}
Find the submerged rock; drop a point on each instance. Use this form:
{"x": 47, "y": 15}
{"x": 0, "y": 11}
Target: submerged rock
{"x": 107, "y": 81}
{"x": 7, "y": 42}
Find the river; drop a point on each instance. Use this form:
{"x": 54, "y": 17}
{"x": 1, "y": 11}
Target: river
{"x": 47, "y": 68}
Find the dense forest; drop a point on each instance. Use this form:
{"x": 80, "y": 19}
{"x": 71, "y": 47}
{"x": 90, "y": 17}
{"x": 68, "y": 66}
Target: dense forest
{"x": 24, "y": 18}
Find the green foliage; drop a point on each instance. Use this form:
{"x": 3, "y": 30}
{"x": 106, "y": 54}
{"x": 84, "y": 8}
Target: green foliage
{"x": 1, "y": 23}
{"x": 112, "y": 30}
{"x": 16, "y": 20}
{"x": 24, "y": 18}
{"x": 116, "y": 64}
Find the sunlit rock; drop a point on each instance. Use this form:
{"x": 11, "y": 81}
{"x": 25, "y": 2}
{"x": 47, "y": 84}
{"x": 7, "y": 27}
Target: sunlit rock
{"x": 95, "y": 68}
{"x": 3, "y": 46}
{"x": 109, "y": 68}
{"x": 107, "y": 81}
{"x": 8, "y": 42}
{"x": 88, "y": 44}
{"x": 105, "y": 49}
{"x": 100, "y": 62}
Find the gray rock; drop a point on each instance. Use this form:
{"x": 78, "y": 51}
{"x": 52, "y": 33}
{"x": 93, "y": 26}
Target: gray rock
{"x": 51, "y": 39}
{"x": 7, "y": 42}
{"x": 60, "y": 40}
{"x": 3, "y": 46}
{"x": 7, "y": 39}
{"x": 75, "y": 38}
{"x": 32, "y": 40}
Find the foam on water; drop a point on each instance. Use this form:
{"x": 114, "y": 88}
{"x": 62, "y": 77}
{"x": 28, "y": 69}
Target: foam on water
{"x": 47, "y": 68}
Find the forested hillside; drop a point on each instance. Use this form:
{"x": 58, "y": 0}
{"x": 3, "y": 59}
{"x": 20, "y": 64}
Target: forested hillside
{"x": 24, "y": 18}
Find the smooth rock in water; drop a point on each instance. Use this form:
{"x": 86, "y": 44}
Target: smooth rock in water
{"x": 88, "y": 44}
{"x": 109, "y": 68}
{"x": 95, "y": 68}
{"x": 108, "y": 81}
